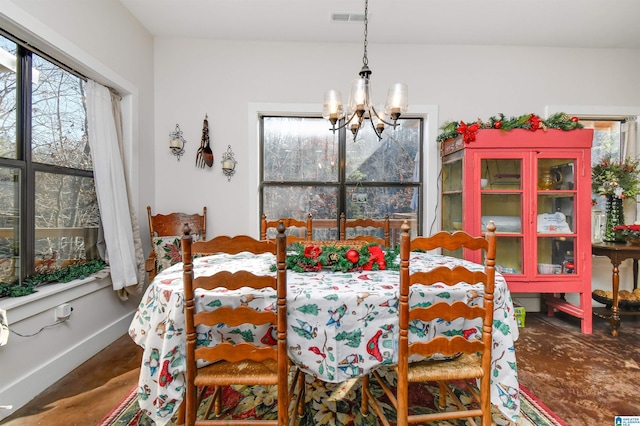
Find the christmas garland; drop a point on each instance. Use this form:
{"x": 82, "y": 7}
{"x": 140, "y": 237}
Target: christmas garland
{"x": 80, "y": 270}
{"x": 531, "y": 122}
{"x": 312, "y": 258}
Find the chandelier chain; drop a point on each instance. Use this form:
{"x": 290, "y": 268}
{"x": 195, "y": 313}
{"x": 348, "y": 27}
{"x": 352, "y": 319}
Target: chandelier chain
{"x": 365, "y": 59}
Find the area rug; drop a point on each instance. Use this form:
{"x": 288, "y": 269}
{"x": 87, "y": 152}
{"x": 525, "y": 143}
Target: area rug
{"x": 332, "y": 404}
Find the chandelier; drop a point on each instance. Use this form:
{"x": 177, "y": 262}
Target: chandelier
{"x": 360, "y": 105}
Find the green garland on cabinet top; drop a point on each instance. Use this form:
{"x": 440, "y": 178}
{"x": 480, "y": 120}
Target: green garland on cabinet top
{"x": 531, "y": 122}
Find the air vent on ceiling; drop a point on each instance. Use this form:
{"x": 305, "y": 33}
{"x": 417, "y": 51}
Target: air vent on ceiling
{"x": 347, "y": 17}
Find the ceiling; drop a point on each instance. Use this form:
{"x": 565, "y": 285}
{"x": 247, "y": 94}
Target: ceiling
{"x": 549, "y": 23}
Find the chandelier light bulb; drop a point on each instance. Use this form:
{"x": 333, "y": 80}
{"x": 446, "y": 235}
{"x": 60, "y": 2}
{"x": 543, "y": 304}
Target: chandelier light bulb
{"x": 332, "y": 109}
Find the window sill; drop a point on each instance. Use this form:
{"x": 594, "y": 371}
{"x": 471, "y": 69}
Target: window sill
{"x": 51, "y": 295}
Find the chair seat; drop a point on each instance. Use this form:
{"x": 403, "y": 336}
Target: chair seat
{"x": 465, "y": 366}
{"x": 241, "y": 373}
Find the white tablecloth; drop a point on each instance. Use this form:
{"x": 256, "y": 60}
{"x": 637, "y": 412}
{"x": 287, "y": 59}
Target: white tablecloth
{"x": 340, "y": 325}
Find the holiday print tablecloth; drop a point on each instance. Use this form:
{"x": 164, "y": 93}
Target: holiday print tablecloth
{"x": 340, "y": 325}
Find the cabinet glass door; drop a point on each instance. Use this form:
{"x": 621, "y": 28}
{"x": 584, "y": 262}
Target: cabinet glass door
{"x": 452, "y": 210}
{"x": 555, "y": 218}
{"x": 452, "y": 192}
{"x": 501, "y": 201}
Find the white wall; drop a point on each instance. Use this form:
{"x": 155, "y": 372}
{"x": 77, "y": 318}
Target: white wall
{"x": 102, "y": 41}
{"x": 194, "y": 77}
{"x": 226, "y": 79}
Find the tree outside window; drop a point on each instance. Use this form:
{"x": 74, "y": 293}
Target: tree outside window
{"x": 308, "y": 169}
{"x": 48, "y": 207}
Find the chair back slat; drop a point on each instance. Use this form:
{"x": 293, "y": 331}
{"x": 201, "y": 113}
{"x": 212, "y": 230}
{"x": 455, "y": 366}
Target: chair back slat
{"x": 447, "y": 346}
{"x": 294, "y": 228}
{"x": 232, "y": 245}
{"x": 449, "y": 276}
{"x": 447, "y": 312}
{"x": 235, "y": 280}
{"x": 237, "y": 353}
{"x": 363, "y": 224}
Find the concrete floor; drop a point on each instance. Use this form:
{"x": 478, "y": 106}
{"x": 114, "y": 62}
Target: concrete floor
{"x": 584, "y": 379}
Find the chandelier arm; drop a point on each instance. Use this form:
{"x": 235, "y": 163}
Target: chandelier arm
{"x": 375, "y": 129}
{"x": 383, "y": 120}
{"x": 343, "y": 125}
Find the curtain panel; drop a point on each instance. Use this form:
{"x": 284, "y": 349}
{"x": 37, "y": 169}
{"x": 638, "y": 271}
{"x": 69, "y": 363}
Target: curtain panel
{"x": 111, "y": 189}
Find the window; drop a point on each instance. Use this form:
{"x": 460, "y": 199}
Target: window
{"x": 305, "y": 168}
{"x": 607, "y": 138}
{"x": 48, "y": 208}
{"x": 607, "y": 142}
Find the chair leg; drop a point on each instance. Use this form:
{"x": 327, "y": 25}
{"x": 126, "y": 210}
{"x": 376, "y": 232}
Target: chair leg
{"x": 207, "y": 412}
{"x": 365, "y": 395}
{"x": 443, "y": 395}
{"x": 297, "y": 382}
{"x": 300, "y": 401}
{"x": 216, "y": 398}
{"x": 180, "y": 415}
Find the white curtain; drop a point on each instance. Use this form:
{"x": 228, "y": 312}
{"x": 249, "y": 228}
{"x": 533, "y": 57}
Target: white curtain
{"x": 111, "y": 188}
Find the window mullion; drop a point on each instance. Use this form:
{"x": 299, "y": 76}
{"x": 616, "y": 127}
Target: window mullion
{"x": 23, "y": 135}
{"x": 342, "y": 171}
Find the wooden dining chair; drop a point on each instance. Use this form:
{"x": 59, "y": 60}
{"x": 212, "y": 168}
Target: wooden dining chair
{"x": 471, "y": 350}
{"x": 243, "y": 363}
{"x": 364, "y": 225}
{"x": 165, "y": 231}
{"x": 293, "y": 228}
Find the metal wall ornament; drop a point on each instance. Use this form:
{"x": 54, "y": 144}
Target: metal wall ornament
{"x": 176, "y": 142}
{"x": 228, "y": 164}
{"x": 204, "y": 156}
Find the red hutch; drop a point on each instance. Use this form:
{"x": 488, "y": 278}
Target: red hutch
{"x": 536, "y": 187}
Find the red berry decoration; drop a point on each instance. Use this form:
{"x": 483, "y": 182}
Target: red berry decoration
{"x": 575, "y": 119}
{"x": 352, "y": 255}
{"x": 497, "y": 124}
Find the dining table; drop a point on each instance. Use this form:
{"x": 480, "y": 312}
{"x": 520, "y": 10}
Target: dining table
{"x": 341, "y": 325}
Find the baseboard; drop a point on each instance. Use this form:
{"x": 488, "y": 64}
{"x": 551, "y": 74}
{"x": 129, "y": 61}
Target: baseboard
{"x": 63, "y": 363}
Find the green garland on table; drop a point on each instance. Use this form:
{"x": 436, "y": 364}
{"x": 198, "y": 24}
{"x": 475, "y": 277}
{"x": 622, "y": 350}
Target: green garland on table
{"x": 343, "y": 258}
{"x": 531, "y": 122}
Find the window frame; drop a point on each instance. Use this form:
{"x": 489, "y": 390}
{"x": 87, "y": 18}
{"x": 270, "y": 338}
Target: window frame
{"x": 23, "y": 161}
{"x": 342, "y": 183}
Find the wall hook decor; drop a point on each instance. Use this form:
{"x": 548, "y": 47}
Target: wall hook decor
{"x": 228, "y": 164}
{"x": 176, "y": 142}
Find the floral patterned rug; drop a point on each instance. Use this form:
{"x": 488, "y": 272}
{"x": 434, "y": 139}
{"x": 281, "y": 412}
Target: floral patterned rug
{"x": 334, "y": 405}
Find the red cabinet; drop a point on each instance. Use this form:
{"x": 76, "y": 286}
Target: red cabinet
{"x": 536, "y": 187}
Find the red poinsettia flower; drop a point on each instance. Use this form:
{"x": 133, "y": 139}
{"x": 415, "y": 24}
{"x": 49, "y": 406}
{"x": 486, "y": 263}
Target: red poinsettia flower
{"x": 376, "y": 255}
{"x": 534, "y": 122}
{"x": 468, "y": 132}
{"x": 312, "y": 252}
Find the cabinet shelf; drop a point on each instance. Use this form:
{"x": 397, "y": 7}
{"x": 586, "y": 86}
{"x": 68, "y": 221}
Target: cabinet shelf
{"x": 528, "y": 183}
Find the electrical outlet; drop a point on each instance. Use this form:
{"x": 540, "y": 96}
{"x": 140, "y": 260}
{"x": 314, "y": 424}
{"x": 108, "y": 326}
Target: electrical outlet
{"x": 4, "y": 327}
{"x": 63, "y": 311}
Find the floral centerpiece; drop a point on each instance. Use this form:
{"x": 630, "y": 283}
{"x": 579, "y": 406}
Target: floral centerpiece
{"x": 629, "y": 233}
{"x": 344, "y": 258}
{"x": 532, "y": 122}
{"x": 616, "y": 180}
